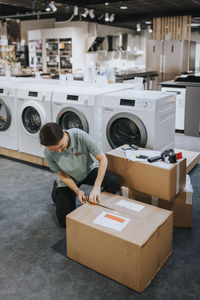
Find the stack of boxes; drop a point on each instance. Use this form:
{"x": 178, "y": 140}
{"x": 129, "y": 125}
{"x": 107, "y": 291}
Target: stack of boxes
{"x": 170, "y": 188}
{"x": 129, "y": 240}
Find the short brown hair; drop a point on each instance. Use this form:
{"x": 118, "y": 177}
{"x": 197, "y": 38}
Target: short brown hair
{"x": 50, "y": 134}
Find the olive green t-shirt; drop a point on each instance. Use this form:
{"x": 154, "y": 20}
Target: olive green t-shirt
{"x": 76, "y": 161}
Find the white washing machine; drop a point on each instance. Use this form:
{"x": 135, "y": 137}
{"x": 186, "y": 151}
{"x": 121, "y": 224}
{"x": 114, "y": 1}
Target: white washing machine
{"x": 80, "y": 107}
{"x": 143, "y": 118}
{"x": 180, "y": 105}
{"x": 33, "y": 111}
{"x": 8, "y": 122}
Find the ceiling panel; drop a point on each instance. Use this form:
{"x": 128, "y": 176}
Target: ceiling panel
{"x": 138, "y": 10}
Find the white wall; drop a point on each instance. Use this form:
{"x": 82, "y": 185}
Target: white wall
{"x": 104, "y": 58}
{"x": 36, "y": 24}
{"x": 81, "y": 31}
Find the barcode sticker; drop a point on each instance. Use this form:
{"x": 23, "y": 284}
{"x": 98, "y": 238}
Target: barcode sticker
{"x": 130, "y": 205}
{"x": 111, "y": 221}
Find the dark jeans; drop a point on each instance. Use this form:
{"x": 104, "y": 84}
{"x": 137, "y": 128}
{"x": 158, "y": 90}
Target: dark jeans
{"x": 65, "y": 198}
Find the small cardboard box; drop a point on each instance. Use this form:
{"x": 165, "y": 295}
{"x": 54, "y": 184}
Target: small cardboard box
{"x": 123, "y": 239}
{"x": 181, "y": 204}
{"x": 147, "y": 177}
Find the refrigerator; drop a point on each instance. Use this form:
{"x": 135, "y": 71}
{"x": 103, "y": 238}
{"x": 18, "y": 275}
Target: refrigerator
{"x": 169, "y": 57}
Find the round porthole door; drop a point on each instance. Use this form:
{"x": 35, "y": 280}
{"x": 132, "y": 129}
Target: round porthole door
{"x": 70, "y": 117}
{"x": 126, "y": 128}
{"x": 5, "y": 116}
{"x": 33, "y": 117}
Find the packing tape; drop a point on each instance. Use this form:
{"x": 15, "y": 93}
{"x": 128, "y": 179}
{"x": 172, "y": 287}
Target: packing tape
{"x": 177, "y": 178}
{"x": 154, "y": 201}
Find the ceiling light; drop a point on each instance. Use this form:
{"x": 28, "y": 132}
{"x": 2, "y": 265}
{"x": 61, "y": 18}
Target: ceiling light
{"x": 34, "y": 4}
{"x": 138, "y": 27}
{"x": 106, "y": 3}
{"x": 194, "y": 24}
{"x": 52, "y": 5}
{"x": 86, "y": 11}
{"x": 101, "y": 16}
{"x": 91, "y": 13}
{"x": 123, "y": 7}
{"x": 112, "y": 17}
{"x": 47, "y": 7}
{"x": 149, "y": 29}
{"x": 107, "y": 19}
{"x": 67, "y": 8}
{"x": 76, "y": 10}
{"x": 147, "y": 22}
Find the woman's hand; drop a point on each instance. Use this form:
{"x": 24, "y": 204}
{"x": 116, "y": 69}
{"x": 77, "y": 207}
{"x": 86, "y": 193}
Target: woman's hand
{"x": 81, "y": 196}
{"x": 94, "y": 197}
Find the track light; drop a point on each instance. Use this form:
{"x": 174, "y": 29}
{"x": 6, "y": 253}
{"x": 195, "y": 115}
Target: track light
{"x": 100, "y": 17}
{"x": 112, "y": 17}
{"x": 149, "y": 29}
{"x": 34, "y": 4}
{"x": 47, "y": 7}
{"x": 138, "y": 27}
{"x": 91, "y": 13}
{"x": 107, "y": 19}
{"x": 52, "y": 6}
{"x": 76, "y": 10}
{"x": 86, "y": 11}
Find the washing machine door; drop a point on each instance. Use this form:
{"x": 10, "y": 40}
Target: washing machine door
{"x": 70, "y": 117}
{"x": 33, "y": 117}
{"x": 5, "y": 116}
{"x": 126, "y": 128}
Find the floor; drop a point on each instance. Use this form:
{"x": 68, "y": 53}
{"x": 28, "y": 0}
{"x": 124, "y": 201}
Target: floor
{"x": 33, "y": 262}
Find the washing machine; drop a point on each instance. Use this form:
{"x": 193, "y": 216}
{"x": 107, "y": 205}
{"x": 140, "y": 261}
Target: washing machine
{"x": 8, "y": 122}
{"x": 80, "y": 107}
{"x": 33, "y": 111}
{"x": 143, "y": 118}
{"x": 180, "y": 105}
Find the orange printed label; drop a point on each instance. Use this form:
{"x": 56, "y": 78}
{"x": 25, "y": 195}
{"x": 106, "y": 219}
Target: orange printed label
{"x": 114, "y": 218}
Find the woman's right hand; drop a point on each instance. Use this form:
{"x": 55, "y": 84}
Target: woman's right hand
{"x": 81, "y": 196}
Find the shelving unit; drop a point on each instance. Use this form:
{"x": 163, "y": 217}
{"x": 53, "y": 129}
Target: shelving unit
{"x": 21, "y": 53}
{"x": 65, "y": 47}
{"x": 58, "y": 55}
{"x": 35, "y": 54}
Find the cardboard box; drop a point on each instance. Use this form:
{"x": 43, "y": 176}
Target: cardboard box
{"x": 123, "y": 240}
{"x": 147, "y": 177}
{"x": 181, "y": 204}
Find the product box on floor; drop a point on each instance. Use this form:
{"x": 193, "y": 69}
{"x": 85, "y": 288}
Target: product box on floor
{"x": 120, "y": 238}
{"x": 181, "y": 204}
{"x": 161, "y": 179}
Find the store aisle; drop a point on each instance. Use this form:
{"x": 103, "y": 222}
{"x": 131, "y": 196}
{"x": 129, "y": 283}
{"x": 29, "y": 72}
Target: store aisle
{"x": 33, "y": 261}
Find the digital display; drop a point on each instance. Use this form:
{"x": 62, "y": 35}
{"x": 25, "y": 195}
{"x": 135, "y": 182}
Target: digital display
{"x": 1, "y": 91}
{"x": 72, "y": 97}
{"x": 33, "y": 94}
{"x": 127, "y": 102}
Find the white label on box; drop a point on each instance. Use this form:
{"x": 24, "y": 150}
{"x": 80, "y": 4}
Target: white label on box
{"x": 111, "y": 221}
{"x": 130, "y": 205}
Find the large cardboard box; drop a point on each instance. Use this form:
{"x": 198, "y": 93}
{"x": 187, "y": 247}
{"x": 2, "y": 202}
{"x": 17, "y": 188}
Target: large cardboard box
{"x": 181, "y": 204}
{"x": 124, "y": 240}
{"x": 163, "y": 182}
